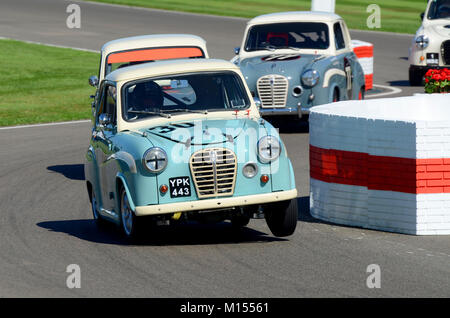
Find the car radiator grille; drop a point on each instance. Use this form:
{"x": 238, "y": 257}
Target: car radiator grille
{"x": 272, "y": 90}
{"x": 445, "y": 49}
{"x": 214, "y": 172}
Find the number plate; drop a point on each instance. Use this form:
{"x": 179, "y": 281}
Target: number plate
{"x": 180, "y": 187}
{"x": 432, "y": 58}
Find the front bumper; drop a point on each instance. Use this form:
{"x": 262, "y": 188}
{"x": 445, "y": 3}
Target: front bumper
{"x": 284, "y": 111}
{"x": 220, "y": 203}
{"x": 425, "y": 68}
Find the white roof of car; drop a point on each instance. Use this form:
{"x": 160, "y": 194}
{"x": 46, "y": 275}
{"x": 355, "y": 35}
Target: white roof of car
{"x": 154, "y": 40}
{"x": 160, "y": 68}
{"x": 295, "y": 16}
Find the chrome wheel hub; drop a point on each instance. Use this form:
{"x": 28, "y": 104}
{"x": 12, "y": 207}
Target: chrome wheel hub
{"x": 127, "y": 214}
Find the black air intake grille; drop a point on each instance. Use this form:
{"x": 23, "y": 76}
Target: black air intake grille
{"x": 445, "y": 50}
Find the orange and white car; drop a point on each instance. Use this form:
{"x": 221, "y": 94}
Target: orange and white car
{"x": 147, "y": 48}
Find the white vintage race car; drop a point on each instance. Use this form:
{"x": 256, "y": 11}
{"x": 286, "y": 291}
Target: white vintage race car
{"x": 430, "y": 48}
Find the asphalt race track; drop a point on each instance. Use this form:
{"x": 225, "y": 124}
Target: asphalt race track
{"x": 46, "y": 224}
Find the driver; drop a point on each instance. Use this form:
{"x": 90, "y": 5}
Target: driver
{"x": 277, "y": 39}
{"x": 444, "y": 10}
{"x": 146, "y": 96}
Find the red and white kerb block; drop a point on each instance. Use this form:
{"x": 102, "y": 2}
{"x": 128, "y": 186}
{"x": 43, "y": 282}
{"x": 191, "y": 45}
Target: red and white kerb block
{"x": 382, "y": 164}
{"x": 364, "y": 53}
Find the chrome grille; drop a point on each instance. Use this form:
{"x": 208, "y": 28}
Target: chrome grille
{"x": 272, "y": 90}
{"x": 445, "y": 50}
{"x": 214, "y": 172}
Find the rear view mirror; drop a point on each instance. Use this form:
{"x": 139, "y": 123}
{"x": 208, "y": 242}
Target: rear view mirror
{"x": 104, "y": 120}
{"x": 257, "y": 102}
{"x": 237, "y": 50}
{"x": 93, "y": 81}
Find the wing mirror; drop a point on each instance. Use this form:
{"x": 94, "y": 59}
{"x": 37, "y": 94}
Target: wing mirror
{"x": 257, "y": 102}
{"x": 237, "y": 50}
{"x": 104, "y": 120}
{"x": 422, "y": 15}
{"x": 93, "y": 81}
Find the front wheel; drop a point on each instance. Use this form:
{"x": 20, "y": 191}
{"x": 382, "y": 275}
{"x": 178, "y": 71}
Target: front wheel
{"x": 335, "y": 97}
{"x": 95, "y": 207}
{"x": 415, "y": 77}
{"x": 361, "y": 94}
{"x": 281, "y": 217}
{"x": 128, "y": 220}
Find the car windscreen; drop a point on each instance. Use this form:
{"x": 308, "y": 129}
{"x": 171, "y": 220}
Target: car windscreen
{"x": 298, "y": 35}
{"x": 439, "y": 9}
{"x": 188, "y": 93}
{"x": 121, "y": 59}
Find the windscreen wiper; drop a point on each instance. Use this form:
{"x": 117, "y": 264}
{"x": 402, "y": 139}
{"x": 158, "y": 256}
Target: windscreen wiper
{"x": 267, "y": 47}
{"x": 289, "y": 47}
{"x": 150, "y": 113}
{"x": 187, "y": 110}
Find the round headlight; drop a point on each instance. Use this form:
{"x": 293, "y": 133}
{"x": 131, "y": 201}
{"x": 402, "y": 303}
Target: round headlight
{"x": 422, "y": 41}
{"x": 310, "y": 78}
{"x": 155, "y": 159}
{"x": 250, "y": 170}
{"x": 269, "y": 149}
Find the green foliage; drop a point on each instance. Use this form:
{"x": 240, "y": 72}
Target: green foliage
{"x": 44, "y": 84}
{"x": 396, "y": 16}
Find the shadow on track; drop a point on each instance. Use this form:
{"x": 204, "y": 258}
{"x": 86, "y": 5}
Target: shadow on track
{"x": 190, "y": 233}
{"x": 73, "y": 172}
{"x": 178, "y": 234}
{"x": 404, "y": 83}
{"x": 304, "y": 214}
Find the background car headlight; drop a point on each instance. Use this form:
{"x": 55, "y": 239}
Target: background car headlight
{"x": 422, "y": 41}
{"x": 155, "y": 159}
{"x": 310, "y": 78}
{"x": 269, "y": 149}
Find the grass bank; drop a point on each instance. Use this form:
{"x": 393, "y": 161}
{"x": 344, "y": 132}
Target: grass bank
{"x": 396, "y": 15}
{"x": 44, "y": 84}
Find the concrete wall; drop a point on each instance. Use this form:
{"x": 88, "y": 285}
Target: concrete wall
{"x": 383, "y": 164}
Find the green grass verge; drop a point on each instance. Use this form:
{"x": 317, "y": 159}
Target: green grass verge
{"x": 44, "y": 84}
{"x": 396, "y": 15}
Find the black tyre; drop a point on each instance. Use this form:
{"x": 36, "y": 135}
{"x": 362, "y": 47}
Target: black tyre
{"x": 282, "y": 217}
{"x": 336, "y": 97}
{"x": 129, "y": 222}
{"x": 362, "y": 94}
{"x": 415, "y": 77}
{"x": 99, "y": 221}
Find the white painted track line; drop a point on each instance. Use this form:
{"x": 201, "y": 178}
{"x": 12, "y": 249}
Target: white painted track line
{"x": 46, "y": 124}
{"x": 393, "y": 91}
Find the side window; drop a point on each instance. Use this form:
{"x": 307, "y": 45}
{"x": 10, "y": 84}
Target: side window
{"x": 108, "y": 102}
{"x": 339, "y": 36}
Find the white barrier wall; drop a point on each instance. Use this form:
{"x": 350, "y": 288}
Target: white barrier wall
{"x": 383, "y": 164}
{"x": 323, "y": 5}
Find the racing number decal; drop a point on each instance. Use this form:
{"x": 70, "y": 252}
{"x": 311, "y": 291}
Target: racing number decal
{"x": 170, "y": 128}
